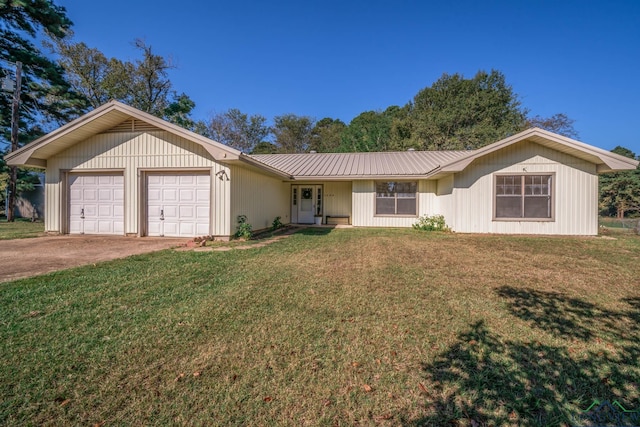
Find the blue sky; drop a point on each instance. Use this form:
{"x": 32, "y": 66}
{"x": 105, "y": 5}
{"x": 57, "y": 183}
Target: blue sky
{"x": 340, "y": 58}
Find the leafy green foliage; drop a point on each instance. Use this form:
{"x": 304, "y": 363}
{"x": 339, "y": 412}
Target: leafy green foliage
{"x": 46, "y": 98}
{"x": 431, "y": 223}
{"x": 460, "y": 114}
{"x": 620, "y": 191}
{"x": 244, "y": 230}
{"x": 143, "y": 84}
{"x": 454, "y": 113}
{"x": 292, "y": 133}
{"x": 277, "y": 223}
{"x": 326, "y": 135}
{"x": 238, "y": 130}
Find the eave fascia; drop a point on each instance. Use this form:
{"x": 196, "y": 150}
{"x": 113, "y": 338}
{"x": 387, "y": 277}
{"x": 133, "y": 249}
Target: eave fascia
{"x": 245, "y": 158}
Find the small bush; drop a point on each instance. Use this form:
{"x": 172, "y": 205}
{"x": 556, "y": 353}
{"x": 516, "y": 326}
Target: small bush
{"x": 276, "y": 224}
{"x": 431, "y": 223}
{"x": 244, "y": 230}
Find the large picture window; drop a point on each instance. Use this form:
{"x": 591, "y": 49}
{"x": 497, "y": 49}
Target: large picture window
{"x": 396, "y": 198}
{"x": 523, "y": 197}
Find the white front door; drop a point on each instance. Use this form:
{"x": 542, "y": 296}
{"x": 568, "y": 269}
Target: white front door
{"x": 307, "y": 202}
{"x": 96, "y": 204}
{"x": 178, "y": 204}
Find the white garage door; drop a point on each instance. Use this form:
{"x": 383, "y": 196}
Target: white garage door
{"x": 96, "y": 204}
{"x": 178, "y": 204}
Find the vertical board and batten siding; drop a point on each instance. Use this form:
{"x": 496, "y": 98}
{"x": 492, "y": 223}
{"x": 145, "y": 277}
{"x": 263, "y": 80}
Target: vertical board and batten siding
{"x": 337, "y": 198}
{"x": 259, "y": 197}
{"x": 575, "y": 198}
{"x": 133, "y": 153}
{"x": 364, "y": 199}
{"x": 444, "y": 203}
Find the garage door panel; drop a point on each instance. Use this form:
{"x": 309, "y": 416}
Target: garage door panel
{"x": 182, "y": 198}
{"x": 202, "y": 195}
{"x": 187, "y": 212}
{"x": 96, "y": 204}
{"x": 202, "y": 229}
{"x": 105, "y": 210}
{"x": 154, "y": 195}
{"x": 187, "y": 180}
{"x": 90, "y": 210}
{"x": 187, "y": 229}
{"x": 187, "y": 195}
{"x": 202, "y": 212}
{"x": 170, "y": 195}
{"x": 170, "y": 212}
{"x": 90, "y": 194}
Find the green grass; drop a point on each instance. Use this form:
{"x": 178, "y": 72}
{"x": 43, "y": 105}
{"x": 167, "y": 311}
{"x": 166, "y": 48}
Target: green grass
{"x": 629, "y": 224}
{"x": 19, "y": 229}
{"x": 329, "y": 327}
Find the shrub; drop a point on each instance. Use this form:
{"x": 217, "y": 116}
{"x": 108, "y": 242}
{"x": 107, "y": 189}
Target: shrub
{"x": 276, "y": 224}
{"x": 244, "y": 229}
{"x": 431, "y": 223}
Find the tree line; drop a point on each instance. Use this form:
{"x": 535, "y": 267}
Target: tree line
{"x": 64, "y": 79}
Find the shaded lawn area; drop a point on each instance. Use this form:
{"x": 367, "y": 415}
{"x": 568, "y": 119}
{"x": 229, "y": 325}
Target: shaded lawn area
{"x": 19, "y": 229}
{"x": 329, "y": 327}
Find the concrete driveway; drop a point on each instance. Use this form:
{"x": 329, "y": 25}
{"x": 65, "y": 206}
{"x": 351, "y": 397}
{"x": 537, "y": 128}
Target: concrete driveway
{"x": 30, "y": 257}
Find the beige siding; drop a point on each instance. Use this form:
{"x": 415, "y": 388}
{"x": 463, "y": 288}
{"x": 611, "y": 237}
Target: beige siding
{"x": 363, "y": 200}
{"x": 134, "y": 153}
{"x": 261, "y": 198}
{"x": 337, "y": 198}
{"x": 576, "y": 193}
{"x": 445, "y": 202}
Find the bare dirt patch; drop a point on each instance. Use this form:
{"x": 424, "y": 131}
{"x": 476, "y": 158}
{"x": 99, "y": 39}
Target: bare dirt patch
{"x": 30, "y": 257}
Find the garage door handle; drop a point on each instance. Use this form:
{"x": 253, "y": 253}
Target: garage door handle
{"x": 82, "y": 213}
{"x": 162, "y": 215}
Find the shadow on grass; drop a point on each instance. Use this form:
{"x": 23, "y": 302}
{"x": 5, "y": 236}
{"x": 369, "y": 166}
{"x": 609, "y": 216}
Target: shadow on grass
{"x": 316, "y": 231}
{"x": 485, "y": 379}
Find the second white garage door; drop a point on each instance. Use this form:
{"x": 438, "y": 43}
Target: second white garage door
{"x": 178, "y": 204}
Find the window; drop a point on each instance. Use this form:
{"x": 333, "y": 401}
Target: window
{"x": 523, "y": 196}
{"x": 396, "y": 198}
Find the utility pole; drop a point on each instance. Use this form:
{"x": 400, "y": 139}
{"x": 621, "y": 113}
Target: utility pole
{"x": 15, "y": 115}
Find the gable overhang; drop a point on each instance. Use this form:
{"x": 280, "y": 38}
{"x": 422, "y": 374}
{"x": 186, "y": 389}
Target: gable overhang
{"x": 103, "y": 118}
{"x": 605, "y": 161}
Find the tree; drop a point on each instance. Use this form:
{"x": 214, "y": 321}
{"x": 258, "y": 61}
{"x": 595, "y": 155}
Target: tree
{"x": 620, "y": 191}
{"x": 143, "y": 84}
{"x": 292, "y": 133}
{"x": 558, "y": 123}
{"x": 46, "y": 99}
{"x": 460, "y": 114}
{"x": 238, "y": 130}
{"x": 378, "y": 131}
{"x": 326, "y": 135}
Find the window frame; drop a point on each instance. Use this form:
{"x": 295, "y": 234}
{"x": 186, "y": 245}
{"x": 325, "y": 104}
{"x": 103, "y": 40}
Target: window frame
{"x": 395, "y": 215}
{"x": 552, "y": 196}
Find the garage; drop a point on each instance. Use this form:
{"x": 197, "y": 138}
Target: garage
{"x": 178, "y": 204}
{"x": 96, "y": 204}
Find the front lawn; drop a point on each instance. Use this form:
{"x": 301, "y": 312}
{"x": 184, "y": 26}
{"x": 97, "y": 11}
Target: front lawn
{"x": 20, "y": 228}
{"x": 329, "y": 327}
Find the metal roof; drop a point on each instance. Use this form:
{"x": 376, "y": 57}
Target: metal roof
{"x": 359, "y": 165}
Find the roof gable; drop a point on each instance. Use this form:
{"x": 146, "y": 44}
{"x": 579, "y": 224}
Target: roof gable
{"x": 113, "y": 116}
{"x": 605, "y": 161}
